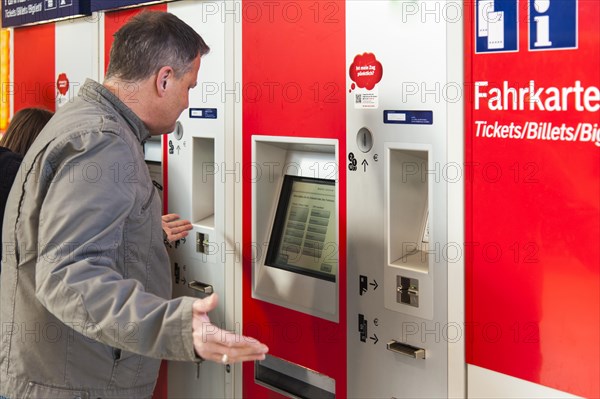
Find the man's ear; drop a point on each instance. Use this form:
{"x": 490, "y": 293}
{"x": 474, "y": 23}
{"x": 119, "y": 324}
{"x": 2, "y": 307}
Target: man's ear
{"x": 163, "y": 78}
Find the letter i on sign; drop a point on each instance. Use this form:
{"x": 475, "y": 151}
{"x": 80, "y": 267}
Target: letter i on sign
{"x": 542, "y": 24}
{"x": 552, "y": 24}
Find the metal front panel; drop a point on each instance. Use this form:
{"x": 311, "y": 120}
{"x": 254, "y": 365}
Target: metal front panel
{"x": 397, "y": 222}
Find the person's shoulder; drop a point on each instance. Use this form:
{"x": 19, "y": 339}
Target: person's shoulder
{"x": 7, "y": 157}
{"x": 9, "y": 166}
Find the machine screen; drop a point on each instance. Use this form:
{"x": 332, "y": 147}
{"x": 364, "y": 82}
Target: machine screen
{"x": 303, "y": 238}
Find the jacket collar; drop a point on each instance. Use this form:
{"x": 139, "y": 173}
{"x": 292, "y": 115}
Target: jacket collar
{"x": 92, "y": 90}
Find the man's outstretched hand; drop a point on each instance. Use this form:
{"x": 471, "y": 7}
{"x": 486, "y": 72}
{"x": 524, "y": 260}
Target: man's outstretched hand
{"x": 221, "y": 346}
{"x": 174, "y": 227}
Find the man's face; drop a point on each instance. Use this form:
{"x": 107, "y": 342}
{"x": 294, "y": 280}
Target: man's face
{"x": 177, "y": 97}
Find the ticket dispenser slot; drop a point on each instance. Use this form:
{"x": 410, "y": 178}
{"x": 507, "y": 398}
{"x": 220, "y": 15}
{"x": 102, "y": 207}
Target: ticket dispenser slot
{"x": 202, "y": 288}
{"x": 295, "y": 218}
{"x": 293, "y": 380}
{"x": 408, "y": 282}
{"x": 405, "y": 349}
{"x": 408, "y": 291}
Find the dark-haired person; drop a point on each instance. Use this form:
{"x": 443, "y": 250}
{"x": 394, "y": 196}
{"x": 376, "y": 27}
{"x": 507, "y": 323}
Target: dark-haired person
{"x": 89, "y": 268}
{"x": 24, "y": 127}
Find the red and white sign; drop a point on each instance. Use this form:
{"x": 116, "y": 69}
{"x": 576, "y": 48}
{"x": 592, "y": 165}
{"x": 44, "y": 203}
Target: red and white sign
{"x": 62, "y": 84}
{"x": 365, "y": 72}
{"x": 533, "y": 201}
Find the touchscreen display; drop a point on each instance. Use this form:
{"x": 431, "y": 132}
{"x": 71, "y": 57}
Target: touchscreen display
{"x": 303, "y": 239}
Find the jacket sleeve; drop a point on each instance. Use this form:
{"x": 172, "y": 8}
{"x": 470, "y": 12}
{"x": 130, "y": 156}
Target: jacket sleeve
{"x": 80, "y": 276}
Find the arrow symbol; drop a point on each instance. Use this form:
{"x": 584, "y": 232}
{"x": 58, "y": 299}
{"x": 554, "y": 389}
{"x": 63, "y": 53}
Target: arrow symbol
{"x": 374, "y": 338}
{"x": 365, "y": 163}
{"x": 178, "y": 148}
{"x": 374, "y": 284}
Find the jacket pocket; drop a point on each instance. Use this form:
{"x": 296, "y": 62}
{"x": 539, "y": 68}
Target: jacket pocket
{"x": 116, "y": 354}
{"x": 149, "y": 201}
{"x": 126, "y": 369}
{"x": 39, "y": 391}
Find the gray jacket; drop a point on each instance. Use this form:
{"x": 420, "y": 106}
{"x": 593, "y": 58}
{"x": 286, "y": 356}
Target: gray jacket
{"x": 86, "y": 281}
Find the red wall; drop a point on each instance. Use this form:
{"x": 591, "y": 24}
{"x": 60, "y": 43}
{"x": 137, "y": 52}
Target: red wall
{"x": 293, "y": 85}
{"x": 34, "y": 75}
{"x": 533, "y": 220}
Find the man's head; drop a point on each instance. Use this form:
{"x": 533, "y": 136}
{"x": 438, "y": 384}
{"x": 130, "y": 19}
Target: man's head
{"x": 149, "y": 41}
{"x": 159, "y": 55}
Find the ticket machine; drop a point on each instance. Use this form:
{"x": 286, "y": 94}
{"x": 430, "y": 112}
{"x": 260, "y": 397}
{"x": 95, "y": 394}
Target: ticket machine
{"x": 293, "y": 191}
{"x": 202, "y": 178}
{"x": 398, "y": 158}
{"x": 403, "y": 172}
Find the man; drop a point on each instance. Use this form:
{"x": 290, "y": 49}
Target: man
{"x": 86, "y": 278}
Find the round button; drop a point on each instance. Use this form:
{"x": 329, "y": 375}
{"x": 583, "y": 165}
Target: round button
{"x": 178, "y": 133}
{"x": 364, "y": 139}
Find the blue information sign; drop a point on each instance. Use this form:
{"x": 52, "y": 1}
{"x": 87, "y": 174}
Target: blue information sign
{"x": 552, "y": 24}
{"x": 98, "y": 5}
{"x": 203, "y": 113}
{"x": 496, "y": 28}
{"x": 24, "y": 12}
{"x": 408, "y": 117}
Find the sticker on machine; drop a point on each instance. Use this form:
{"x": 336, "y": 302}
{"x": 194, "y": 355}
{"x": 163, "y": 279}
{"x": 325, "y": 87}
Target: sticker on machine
{"x": 365, "y": 72}
{"x": 62, "y": 86}
{"x": 366, "y": 99}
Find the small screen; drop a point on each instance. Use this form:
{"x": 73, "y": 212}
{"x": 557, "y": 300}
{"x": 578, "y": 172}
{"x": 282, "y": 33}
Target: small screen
{"x": 303, "y": 239}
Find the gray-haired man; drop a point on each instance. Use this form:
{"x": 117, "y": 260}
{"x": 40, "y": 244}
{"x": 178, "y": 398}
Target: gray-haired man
{"x": 86, "y": 281}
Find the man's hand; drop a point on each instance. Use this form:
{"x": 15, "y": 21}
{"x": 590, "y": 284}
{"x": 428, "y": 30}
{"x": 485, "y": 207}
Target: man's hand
{"x": 213, "y": 343}
{"x": 175, "y": 228}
